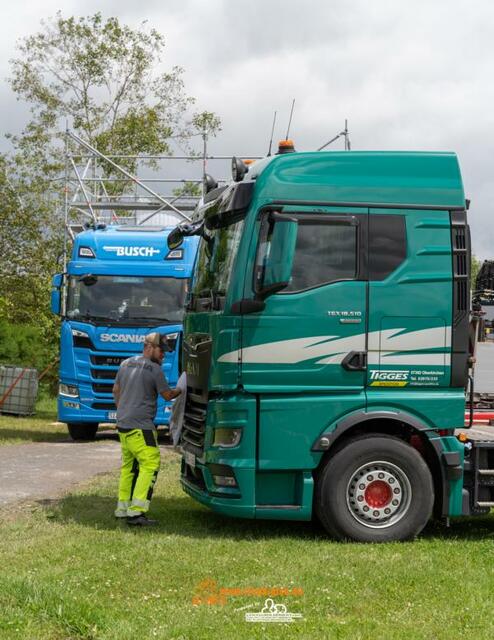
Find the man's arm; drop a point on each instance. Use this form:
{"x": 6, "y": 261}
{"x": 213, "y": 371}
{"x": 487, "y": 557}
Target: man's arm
{"x": 116, "y": 393}
{"x": 170, "y": 394}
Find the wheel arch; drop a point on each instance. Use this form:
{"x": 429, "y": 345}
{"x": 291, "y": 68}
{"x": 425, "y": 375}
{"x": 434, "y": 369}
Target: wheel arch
{"x": 401, "y": 425}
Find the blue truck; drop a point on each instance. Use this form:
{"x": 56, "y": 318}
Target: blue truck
{"x": 121, "y": 283}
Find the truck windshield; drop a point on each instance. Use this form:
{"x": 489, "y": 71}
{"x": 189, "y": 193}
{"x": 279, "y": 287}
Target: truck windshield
{"x": 215, "y": 259}
{"x": 135, "y": 301}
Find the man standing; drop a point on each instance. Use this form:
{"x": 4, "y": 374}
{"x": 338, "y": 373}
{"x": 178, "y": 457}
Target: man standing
{"x": 138, "y": 383}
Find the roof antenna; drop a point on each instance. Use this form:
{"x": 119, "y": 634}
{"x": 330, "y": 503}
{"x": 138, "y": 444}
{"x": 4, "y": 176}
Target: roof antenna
{"x": 347, "y": 137}
{"x": 290, "y": 121}
{"x": 343, "y": 134}
{"x": 272, "y": 133}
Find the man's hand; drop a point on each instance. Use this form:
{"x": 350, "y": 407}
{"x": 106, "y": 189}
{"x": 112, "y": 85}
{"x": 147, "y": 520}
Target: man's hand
{"x": 171, "y": 394}
{"x": 116, "y": 393}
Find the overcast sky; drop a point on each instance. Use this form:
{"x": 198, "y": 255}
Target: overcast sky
{"x": 407, "y": 74}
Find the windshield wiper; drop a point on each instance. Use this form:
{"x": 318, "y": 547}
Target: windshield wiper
{"x": 154, "y": 319}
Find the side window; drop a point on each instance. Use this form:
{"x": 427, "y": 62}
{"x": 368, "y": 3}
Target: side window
{"x": 324, "y": 253}
{"x": 387, "y": 244}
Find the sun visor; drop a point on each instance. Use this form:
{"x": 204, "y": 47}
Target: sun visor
{"x": 230, "y": 206}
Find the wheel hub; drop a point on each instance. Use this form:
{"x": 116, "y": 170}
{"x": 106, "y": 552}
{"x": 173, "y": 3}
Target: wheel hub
{"x": 378, "y": 494}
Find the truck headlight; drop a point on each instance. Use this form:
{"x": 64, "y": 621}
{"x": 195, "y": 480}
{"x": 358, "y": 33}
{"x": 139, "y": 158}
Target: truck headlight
{"x": 79, "y": 334}
{"x": 70, "y": 390}
{"x": 227, "y": 437}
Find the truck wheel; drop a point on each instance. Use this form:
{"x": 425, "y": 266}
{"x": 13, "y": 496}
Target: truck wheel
{"x": 82, "y": 430}
{"x": 375, "y": 489}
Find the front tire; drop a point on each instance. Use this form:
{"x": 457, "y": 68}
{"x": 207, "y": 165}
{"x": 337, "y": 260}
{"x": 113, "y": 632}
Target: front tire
{"x": 375, "y": 489}
{"x": 80, "y": 431}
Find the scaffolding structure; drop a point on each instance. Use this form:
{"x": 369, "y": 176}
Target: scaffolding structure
{"x": 100, "y": 189}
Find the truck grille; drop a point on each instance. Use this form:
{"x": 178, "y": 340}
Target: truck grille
{"x": 107, "y": 374}
{"x": 104, "y": 406}
{"x": 100, "y": 387}
{"x": 194, "y": 424}
{"x": 108, "y": 361}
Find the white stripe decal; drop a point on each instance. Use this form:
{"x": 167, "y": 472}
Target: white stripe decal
{"x": 331, "y": 349}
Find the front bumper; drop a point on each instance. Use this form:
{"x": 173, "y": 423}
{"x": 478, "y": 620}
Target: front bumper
{"x": 74, "y": 410}
{"x": 224, "y": 500}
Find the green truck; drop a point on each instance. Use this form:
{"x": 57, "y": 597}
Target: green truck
{"x": 327, "y": 345}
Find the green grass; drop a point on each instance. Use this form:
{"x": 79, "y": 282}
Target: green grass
{"x": 69, "y": 570}
{"x": 42, "y": 427}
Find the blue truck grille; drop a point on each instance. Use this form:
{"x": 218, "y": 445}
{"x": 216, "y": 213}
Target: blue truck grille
{"x": 107, "y": 374}
{"x": 108, "y": 361}
{"x": 101, "y": 387}
{"x": 104, "y": 406}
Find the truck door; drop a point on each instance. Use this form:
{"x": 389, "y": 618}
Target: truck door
{"x": 410, "y": 300}
{"x": 312, "y": 335}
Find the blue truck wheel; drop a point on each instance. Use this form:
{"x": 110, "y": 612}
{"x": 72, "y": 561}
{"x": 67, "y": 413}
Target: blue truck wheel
{"x": 82, "y": 430}
{"x": 375, "y": 489}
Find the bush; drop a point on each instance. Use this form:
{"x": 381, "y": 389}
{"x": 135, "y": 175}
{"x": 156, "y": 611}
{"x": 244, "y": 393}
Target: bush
{"x": 27, "y": 345}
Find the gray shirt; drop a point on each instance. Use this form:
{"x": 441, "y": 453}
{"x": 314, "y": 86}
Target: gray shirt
{"x": 140, "y": 382}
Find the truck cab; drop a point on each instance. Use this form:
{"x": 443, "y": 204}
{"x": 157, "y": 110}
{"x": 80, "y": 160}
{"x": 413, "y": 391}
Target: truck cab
{"x": 121, "y": 283}
{"x": 326, "y": 343}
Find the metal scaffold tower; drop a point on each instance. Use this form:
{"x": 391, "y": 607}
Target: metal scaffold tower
{"x": 129, "y": 189}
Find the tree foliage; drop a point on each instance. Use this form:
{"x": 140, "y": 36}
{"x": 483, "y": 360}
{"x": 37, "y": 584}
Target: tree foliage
{"x": 103, "y": 80}
{"x": 101, "y": 77}
{"x": 474, "y": 270}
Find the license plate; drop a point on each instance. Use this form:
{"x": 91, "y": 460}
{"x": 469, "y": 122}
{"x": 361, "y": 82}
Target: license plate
{"x": 112, "y": 415}
{"x": 190, "y": 458}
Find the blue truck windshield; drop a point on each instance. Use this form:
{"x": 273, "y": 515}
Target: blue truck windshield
{"x": 133, "y": 301}
{"x": 215, "y": 259}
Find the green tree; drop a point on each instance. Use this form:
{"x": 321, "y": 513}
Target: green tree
{"x": 474, "y": 269}
{"x": 101, "y": 77}
{"x": 103, "y": 80}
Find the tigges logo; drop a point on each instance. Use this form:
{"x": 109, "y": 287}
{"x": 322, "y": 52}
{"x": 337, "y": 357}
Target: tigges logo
{"x": 143, "y": 252}
{"x": 389, "y": 375}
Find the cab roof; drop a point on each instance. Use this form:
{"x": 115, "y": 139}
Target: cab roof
{"x": 367, "y": 178}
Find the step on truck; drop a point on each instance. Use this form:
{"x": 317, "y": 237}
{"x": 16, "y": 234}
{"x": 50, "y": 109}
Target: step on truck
{"x": 122, "y": 282}
{"x": 327, "y": 345}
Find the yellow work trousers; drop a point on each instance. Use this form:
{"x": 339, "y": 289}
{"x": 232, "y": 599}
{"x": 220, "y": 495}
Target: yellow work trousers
{"x": 140, "y": 466}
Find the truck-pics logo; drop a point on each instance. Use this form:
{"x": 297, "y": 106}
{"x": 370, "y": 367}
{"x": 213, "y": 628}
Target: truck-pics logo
{"x": 121, "y": 337}
{"x": 144, "y": 252}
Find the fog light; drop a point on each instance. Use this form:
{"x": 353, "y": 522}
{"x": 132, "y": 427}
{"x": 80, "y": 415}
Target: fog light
{"x": 227, "y": 437}
{"x": 225, "y": 481}
{"x": 70, "y": 390}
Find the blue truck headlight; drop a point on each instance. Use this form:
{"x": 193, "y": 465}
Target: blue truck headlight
{"x": 79, "y": 334}
{"x": 227, "y": 437}
{"x": 70, "y": 390}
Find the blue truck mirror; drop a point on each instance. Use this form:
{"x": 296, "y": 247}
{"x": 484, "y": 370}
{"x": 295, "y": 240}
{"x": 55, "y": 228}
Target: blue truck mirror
{"x": 56, "y": 284}
{"x": 279, "y": 261}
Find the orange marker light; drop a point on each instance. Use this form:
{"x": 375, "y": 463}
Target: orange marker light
{"x": 286, "y": 146}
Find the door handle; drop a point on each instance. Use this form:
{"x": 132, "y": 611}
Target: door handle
{"x": 350, "y": 320}
{"x": 355, "y": 361}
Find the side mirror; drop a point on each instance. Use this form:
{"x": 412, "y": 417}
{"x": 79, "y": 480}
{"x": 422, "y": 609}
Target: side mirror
{"x": 275, "y": 255}
{"x": 56, "y": 298}
{"x": 89, "y": 279}
{"x": 176, "y": 235}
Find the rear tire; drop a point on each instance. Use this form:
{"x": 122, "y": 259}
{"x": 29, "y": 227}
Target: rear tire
{"x": 80, "y": 431}
{"x": 375, "y": 489}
